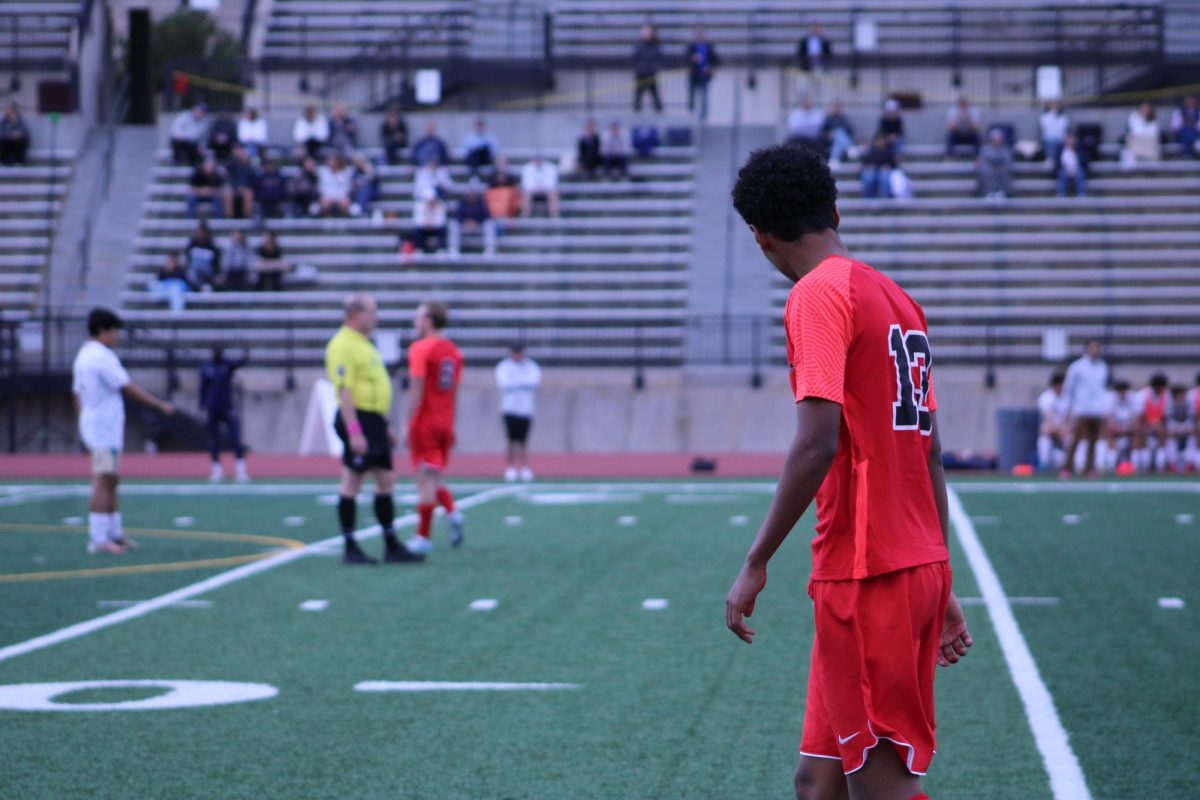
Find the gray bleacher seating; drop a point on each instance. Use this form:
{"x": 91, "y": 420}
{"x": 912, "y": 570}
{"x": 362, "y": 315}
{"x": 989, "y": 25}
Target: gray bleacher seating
{"x": 36, "y": 34}
{"x": 30, "y": 198}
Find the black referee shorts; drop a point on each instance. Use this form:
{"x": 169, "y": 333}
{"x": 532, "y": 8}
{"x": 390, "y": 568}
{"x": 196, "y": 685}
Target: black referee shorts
{"x": 517, "y": 427}
{"x": 379, "y": 445}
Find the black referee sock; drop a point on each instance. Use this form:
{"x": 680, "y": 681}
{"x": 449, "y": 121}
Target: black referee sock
{"x": 385, "y": 512}
{"x": 347, "y": 508}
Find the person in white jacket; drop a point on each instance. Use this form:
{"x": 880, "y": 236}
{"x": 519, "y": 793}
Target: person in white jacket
{"x": 1086, "y": 390}
{"x": 518, "y": 377}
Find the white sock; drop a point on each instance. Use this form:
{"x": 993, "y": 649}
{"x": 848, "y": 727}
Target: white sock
{"x": 115, "y": 531}
{"x": 1045, "y": 450}
{"x": 98, "y": 525}
{"x": 1160, "y": 459}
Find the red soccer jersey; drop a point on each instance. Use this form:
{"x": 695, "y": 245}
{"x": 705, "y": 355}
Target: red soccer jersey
{"x": 439, "y": 362}
{"x": 855, "y": 338}
{"x": 1154, "y": 406}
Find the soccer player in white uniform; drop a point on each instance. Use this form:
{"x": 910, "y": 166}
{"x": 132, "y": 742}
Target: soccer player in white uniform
{"x": 1055, "y": 411}
{"x": 1123, "y": 409}
{"x": 99, "y": 386}
{"x": 1181, "y": 427}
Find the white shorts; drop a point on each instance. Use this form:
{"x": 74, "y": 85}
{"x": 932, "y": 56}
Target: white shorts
{"x": 106, "y": 461}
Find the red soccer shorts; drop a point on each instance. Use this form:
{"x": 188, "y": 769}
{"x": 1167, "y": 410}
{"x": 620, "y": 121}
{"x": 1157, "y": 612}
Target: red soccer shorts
{"x": 873, "y": 660}
{"x": 430, "y": 447}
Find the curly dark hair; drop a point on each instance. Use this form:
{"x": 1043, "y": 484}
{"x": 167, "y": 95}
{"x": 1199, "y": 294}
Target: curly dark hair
{"x": 786, "y": 191}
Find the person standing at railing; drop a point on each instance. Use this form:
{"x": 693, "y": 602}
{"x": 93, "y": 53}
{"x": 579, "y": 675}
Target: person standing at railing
{"x": 216, "y": 400}
{"x": 647, "y": 60}
{"x": 99, "y": 387}
{"x": 813, "y": 54}
{"x": 702, "y": 60}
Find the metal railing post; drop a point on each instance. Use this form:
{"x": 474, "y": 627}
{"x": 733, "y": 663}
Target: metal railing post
{"x": 289, "y": 380}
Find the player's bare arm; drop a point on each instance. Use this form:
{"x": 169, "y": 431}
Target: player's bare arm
{"x": 818, "y": 424}
{"x": 358, "y": 441}
{"x": 135, "y": 392}
{"x": 955, "y": 636}
{"x": 416, "y": 390}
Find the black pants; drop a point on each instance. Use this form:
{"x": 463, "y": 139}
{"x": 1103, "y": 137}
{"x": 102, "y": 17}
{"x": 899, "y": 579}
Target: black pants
{"x": 648, "y": 83}
{"x": 215, "y": 418}
{"x": 185, "y": 152}
{"x": 13, "y": 151}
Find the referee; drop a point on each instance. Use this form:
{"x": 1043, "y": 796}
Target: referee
{"x": 364, "y": 395}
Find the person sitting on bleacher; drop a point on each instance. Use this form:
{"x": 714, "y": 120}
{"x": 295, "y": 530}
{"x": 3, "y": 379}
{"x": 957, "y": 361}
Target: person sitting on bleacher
{"x": 614, "y": 152}
{"x": 270, "y": 191}
{"x": 14, "y": 137}
{"x": 587, "y": 153}
{"x": 188, "y": 131}
{"x": 472, "y": 216}
{"x": 1054, "y": 123}
{"x": 837, "y": 134}
{"x": 891, "y": 124}
{"x": 222, "y": 137}
{"x": 270, "y": 266}
{"x": 430, "y": 147}
{"x": 207, "y": 185}
{"x": 239, "y": 194}
{"x": 310, "y": 133}
{"x": 303, "y": 189}
{"x": 502, "y": 197}
{"x": 539, "y": 181}
{"x": 480, "y": 148}
{"x": 1185, "y": 125}
{"x": 171, "y": 284}
{"x": 432, "y": 175}
{"x": 252, "y": 132}
{"x": 994, "y": 166}
{"x": 366, "y": 185}
{"x": 1143, "y": 140}
{"x": 393, "y": 134}
{"x": 429, "y": 221}
{"x": 877, "y": 165}
{"x": 335, "y": 181}
{"x": 235, "y": 262}
{"x": 806, "y": 125}
{"x": 1071, "y": 167}
{"x": 343, "y": 130}
{"x": 962, "y": 127}
{"x": 202, "y": 260}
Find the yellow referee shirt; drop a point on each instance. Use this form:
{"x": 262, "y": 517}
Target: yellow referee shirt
{"x": 353, "y": 363}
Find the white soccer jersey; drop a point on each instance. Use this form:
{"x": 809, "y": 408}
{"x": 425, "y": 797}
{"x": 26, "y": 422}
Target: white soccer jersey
{"x": 1123, "y": 411}
{"x": 1054, "y": 407}
{"x": 98, "y": 380}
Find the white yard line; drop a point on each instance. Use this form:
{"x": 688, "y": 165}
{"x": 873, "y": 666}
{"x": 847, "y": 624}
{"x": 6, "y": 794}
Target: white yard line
{"x": 1066, "y": 776}
{"x": 215, "y": 582}
{"x": 459, "y": 686}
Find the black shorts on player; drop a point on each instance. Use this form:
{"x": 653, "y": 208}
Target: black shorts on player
{"x": 517, "y": 428}
{"x": 379, "y": 444}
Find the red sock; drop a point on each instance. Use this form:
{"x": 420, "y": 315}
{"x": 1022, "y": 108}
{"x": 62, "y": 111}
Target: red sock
{"x": 424, "y": 519}
{"x": 921, "y": 796}
{"x": 445, "y": 499}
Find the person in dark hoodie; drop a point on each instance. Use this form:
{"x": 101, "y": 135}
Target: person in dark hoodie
{"x": 647, "y": 57}
{"x": 216, "y": 400}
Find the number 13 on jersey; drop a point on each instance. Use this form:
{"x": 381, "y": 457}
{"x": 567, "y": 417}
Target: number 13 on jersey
{"x": 912, "y": 358}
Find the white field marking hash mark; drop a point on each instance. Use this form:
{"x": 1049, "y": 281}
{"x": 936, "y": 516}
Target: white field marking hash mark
{"x": 314, "y": 605}
{"x": 215, "y": 582}
{"x": 1066, "y": 776}
{"x": 1170, "y": 602}
{"x": 185, "y": 522}
{"x": 1184, "y": 519}
{"x": 514, "y": 520}
{"x": 627, "y": 522}
{"x": 655, "y": 603}
{"x": 484, "y": 604}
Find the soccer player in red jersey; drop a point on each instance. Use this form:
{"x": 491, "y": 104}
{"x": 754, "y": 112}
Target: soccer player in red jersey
{"x": 434, "y": 370}
{"x": 866, "y": 446}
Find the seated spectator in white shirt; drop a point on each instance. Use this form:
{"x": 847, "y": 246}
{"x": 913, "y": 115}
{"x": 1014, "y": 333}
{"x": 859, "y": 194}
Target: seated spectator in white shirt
{"x": 252, "y": 132}
{"x": 1054, "y": 123}
{"x": 429, "y": 222}
{"x": 480, "y": 149}
{"x": 335, "y": 181}
{"x": 311, "y": 131}
{"x": 539, "y": 181}
{"x": 188, "y": 131}
{"x": 806, "y": 125}
{"x": 433, "y": 176}
{"x": 1071, "y": 168}
{"x": 614, "y": 151}
{"x": 1143, "y": 142}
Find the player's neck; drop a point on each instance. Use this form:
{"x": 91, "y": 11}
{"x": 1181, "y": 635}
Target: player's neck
{"x": 804, "y": 256}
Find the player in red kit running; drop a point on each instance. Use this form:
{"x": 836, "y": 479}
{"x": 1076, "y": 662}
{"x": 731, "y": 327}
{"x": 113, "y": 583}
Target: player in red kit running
{"x": 866, "y": 446}
{"x": 434, "y": 369}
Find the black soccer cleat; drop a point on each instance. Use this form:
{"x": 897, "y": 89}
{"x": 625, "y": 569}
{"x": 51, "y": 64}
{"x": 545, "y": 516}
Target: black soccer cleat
{"x": 399, "y": 554}
{"x": 353, "y": 554}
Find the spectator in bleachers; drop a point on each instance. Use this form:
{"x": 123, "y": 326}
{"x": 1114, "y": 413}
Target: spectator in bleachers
{"x": 1185, "y": 125}
{"x": 429, "y": 147}
{"x": 813, "y": 53}
{"x": 480, "y": 148}
{"x": 502, "y": 196}
{"x": 806, "y": 125}
{"x": 877, "y": 164}
{"x": 647, "y": 59}
{"x": 207, "y": 185}
{"x": 539, "y": 182}
{"x": 14, "y": 137}
{"x": 270, "y": 267}
{"x": 1055, "y": 124}
{"x": 962, "y": 127}
{"x": 303, "y": 189}
{"x": 366, "y": 185}
{"x": 702, "y": 60}
{"x": 310, "y": 133}
{"x": 235, "y": 262}
{"x": 645, "y": 140}
{"x": 252, "y": 132}
{"x": 241, "y": 176}
{"x": 171, "y": 284}
{"x": 837, "y": 133}
{"x": 994, "y": 166}
{"x": 429, "y": 221}
{"x": 472, "y": 216}
{"x": 1143, "y": 140}
{"x": 587, "y": 152}
{"x": 188, "y": 132}
{"x": 393, "y": 134}
{"x": 614, "y": 151}
{"x": 202, "y": 260}
{"x": 1071, "y": 167}
{"x": 432, "y": 175}
{"x": 343, "y": 130}
{"x": 222, "y": 136}
{"x": 335, "y": 181}
{"x": 271, "y": 191}
{"x": 891, "y": 124}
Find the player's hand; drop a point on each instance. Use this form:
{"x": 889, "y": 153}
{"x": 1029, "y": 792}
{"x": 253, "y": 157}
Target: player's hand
{"x": 955, "y": 636}
{"x": 739, "y": 604}
{"x": 167, "y": 408}
{"x": 358, "y": 444}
